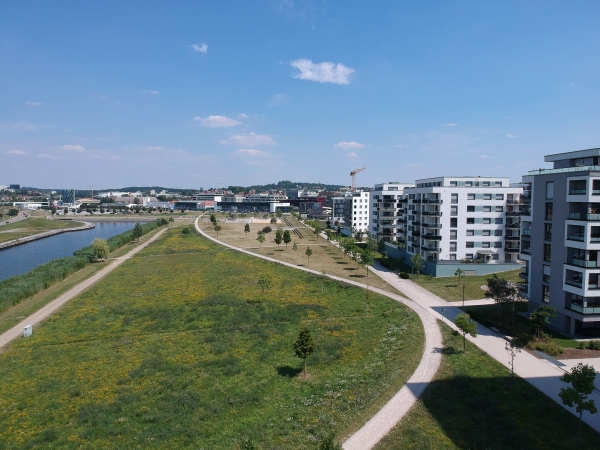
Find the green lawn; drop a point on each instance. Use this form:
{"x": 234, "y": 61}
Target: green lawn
{"x": 178, "y": 349}
{"x": 31, "y": 226}
{"x": 473, "y": 404}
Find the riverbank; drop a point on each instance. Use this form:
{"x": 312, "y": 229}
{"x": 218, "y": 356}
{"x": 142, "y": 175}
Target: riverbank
{"x": 126, "y": 218}
{"x": 45, "y": 234}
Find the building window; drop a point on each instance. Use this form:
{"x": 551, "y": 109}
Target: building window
{"x": 499, "y": 209}
{"x": 486, "y": 232}
{"x": 497, "y": 232}
{"x": 453, "y": 183}
{"x": 470, "y": 232}
{"x": 453, "y": 234}
{"x": 468, "y": 183}
{"x": 499, "y": 221}
{"x": 453, "y": 222}
{"x": 498, "y": 244}
{"x": 487, "y": 209}
{"x": 470, "y": 196}
{"x": 546, "y": 274}
{"x": 549, "y": 190}
{"x": 487, "y": 196}
{"x": 549, "y": 209}
{"x": 498, "y": 183}
{"x": 453, "y": 257}
{"x": 485, "y": 245}
{"x": 548, "y": 231}
{"x": 469, "y": 256}
{"x": 452, "y": 246}
{"x": 471, "y": 208}
{"x": 486, "y": 183}
{"x": 470, "y": 244}
{"x": 547, "y": 252}
{"x": 546, "y": 293}
{"x": 499, "y": 196}
{"x": 454, "y": 210}
{"x": 487, "y": 221}
{"x": 470, "y": 220}
{"x": 453, "y": 198}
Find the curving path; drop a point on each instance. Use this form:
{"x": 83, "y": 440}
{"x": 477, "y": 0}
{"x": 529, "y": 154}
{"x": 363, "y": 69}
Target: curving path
{"x": 393, "y": 411}
{"x": 55, "y": 304}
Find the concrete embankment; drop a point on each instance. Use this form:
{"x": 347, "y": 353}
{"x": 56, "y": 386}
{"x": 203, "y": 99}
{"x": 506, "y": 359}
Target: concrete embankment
{"x": 35, "y": 237}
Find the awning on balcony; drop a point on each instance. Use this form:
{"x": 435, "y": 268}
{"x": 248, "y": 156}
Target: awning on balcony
{"x": 484, "y": 252}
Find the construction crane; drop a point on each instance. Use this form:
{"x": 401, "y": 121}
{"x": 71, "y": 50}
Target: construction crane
{"x": 353, "y": 174}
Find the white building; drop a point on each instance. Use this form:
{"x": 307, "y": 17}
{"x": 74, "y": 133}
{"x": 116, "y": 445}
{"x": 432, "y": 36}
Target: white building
{"x": 351, "y": 212}
{"x": 387, "y": 214}
{"x": 207, "y": 197}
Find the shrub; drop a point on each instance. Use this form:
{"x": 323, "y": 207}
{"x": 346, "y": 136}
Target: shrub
{"x": 267, "y": 229}
{"x": 594, "y": 345}
{"x": 549, "y": 348}
{"x": 582, "y": 346}
{"x": 404, "y": 275}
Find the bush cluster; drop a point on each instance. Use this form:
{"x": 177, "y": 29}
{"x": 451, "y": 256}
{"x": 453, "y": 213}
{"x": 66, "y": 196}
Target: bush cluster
{"x": 594, "y": 345}
{"x": 549, "y": 348}
{"x": 404, "y": 275}
{"x": 267, "y": 229}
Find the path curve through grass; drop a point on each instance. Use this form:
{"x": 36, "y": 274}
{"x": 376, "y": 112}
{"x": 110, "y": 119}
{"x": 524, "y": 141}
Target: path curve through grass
{"x": 393, "y": 411}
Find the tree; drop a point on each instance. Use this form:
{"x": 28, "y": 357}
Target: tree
{"x": 504, "y": 292}
{"x": 53, "y": 211}
{"x": 308, "y": 253}
{"x": 136, "y": 201}
{"x": 357, "y": 234}
{"x": 512, "y": 348}
{"x": 261, "y": 239}
{"x": 287, "y": 238}
{"x": 317, "y": 229}
{"x": 467, "y": 326}
{"x": 265, "y": 282}
{"x": 138, "y": 232}
{"x": 323, "y": 278}
{"x": 247, "y": 230}
{"x": 213, "y": 219}
{"x": 582, "y": 379}
{"x": 101, "y": 248}
{"x": 171, "y": 220}
{"x": 295, "y": 248}
{"x": 279, "y": 213}
{"x": 367, "y": 257}
{"x": 417, "y": 262}
{"x": 278, "y": 237}
{"x": 304, "y": 346}
{"x": 541, "y": 316}
{"x": 381, "y": 248}
{"x": 217, "y": 229}
{"x": 329, "y": 235}
{"x": 459, "y": 272}
{"x": 273, "y": 220}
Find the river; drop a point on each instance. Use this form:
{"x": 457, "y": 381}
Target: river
{"x": 22, "y": 258}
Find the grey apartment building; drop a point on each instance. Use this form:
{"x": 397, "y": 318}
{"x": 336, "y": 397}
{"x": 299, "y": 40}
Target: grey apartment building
{"x": 560, "y": 240}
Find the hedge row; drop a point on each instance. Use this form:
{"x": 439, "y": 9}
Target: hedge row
{"x": 15, "y": 289}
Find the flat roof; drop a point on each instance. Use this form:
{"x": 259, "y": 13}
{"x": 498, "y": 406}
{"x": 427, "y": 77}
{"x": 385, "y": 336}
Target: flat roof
{"x": 575, "y": 154}
{"x": 480, "y": 177}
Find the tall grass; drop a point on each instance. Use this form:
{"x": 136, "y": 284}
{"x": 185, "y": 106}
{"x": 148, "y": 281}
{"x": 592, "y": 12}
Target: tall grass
{"x": 16, "y": 289}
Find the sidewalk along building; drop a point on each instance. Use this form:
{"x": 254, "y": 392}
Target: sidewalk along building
{"x": 350, "y": 212}
{"x": 467, "y": 222}
{"x": 561, "y": 240}
{"x": 388, "y": 219}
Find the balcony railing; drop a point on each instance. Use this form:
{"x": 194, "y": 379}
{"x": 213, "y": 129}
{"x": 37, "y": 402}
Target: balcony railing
{"x": 432, "y": 225}
{"x": 593, "y": 285}
{"x": 526, "y": 251}
{"x": 513, "y": 225}
{"x": 524, "y": 275}
{"x": 583, "y": 216}
{"x": 430, "y": 249}
{"x": 582, "y": 263}
{"x": 511, "y": 249}
{"x": 432, "y": 237}
{"x": 513, "y": 213}
{"x": 576, "y": 237}
{"x": 512, "y": 238}
{"x": 577, "y": 191}
{"x": 526, "y": 194}
{"x": 527, "y": 232}
{"x": 432, "y": 213}
{"x": 585, "y": 309}
{"x": 595, "y": 239}
{"x": 576, "y": 283}
{"x": 434, "y": 201}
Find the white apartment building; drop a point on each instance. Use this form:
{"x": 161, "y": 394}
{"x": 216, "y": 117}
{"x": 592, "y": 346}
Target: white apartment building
{"x": 387, "y": 214}
{"x": 351, "y": 211}
{"x": 206, "y": 198}
{"x": 463, "y": 218}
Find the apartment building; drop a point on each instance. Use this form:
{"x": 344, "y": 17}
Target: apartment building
{"x": 388, "y": 212}
{"x": 351, "y": 211}
{"x": 561, "y": 240}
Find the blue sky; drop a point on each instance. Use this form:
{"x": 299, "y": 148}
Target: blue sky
{"x": 207, "y": 94}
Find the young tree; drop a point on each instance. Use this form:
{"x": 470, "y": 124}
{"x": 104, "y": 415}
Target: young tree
{"x": 213, "y": 219}
{"x": 101, "y": 248}
{"x": 261, "y": 239}
{"x": 279, "y": 213}
{"x": 217, "y": 229}
{"x": 295, "y": 248}
{"x": 265, "y": 282}
{"x": 417, "y": 262}
{"x": 329, "y": 235}
{"x": 171, "y": 220}
{"x": 541, "y": 316}
{"x": 358, "y": 235}
{"x": 304, "y": 346}
{"x": 317, "y": 229}
{"x": 512, "y": 348}
{"x": 459, "y": 272}
{"x": 138, "y": 232}
{"x": 467, "y": 326}
{"x": 247, "y": 230}
{"x": 273, "y": 220}
{"x": 287, "y": 238}
{"x": 381, "y": 248}
{"x": 582, "y": 379}
{"x": 323, "y": 278}
{"x": 367, "y": 257}
{"x": 308, "y": 253}
{"x": 278, "y": 237}
{"x": 497, "y": 289}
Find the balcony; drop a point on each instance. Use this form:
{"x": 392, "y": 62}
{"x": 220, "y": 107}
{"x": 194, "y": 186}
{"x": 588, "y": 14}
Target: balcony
{"x": 577, "y": 307}
{"x": 513, "y": 213}
{"x": 511, "y": 249}
{"x": 416, "y": 200}
{"x": 524, "y": 288}
{"x": 524, "y": 275}
{"x": 575, "y": 283}
{"x": 430, "y": 249}
{"x": 584, "y": 216}
{"x": 513, "y": 202}
{"x": 402, "y": 200}
{"x": 582, "y": 263}
{"x": 433, "y": 202}
{"x": 526, "y": 251}
{"x": 436, "y": 226}
{"x": 416, "y": 222}
{"x": 593, "y": 286}
{"x": 578, "y": 192}
{"x": 416, "y": 233}
{"x": 512, "y": 238}
{"x": 527, "y": 232}
{"x": 513, "y": 225}
{"x": 432, "y": 213}
{"x": 576, "y": 237}
{"x": 402, "y": 221}
{"x": 432, "y": 237}
{"x": 594, "y": 239}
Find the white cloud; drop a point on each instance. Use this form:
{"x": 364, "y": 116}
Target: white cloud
{"x": 150, "y": 91}
{"x": 325, "y": 72}
{"x": 73, "y": 148}
{"x": 351, "y": 155}
{"x": 511, "y": 136}
{"x": 449, "y": 124}
{"x": 34, "y": 103}
{"x": 249, "y": 139}
{"x": 250, "y": 152}
{"x": 413, "y": 165}
{"x": 21, "y": 126}
{"x": 48, "y": 156}
{"x": 152, "y": 148}
{"x": 349, "y": 145}
{"x": 243, "y": 115}
{"x": 16, "y": 152}
{"x": 399, "y": 146}
{"x": 278, "y": 100}
{"x": 217, "y": 121}
{"x": 203, "y": 48}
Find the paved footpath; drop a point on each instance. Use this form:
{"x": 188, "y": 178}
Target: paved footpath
{"x": 54, "y": 305}
{"x": 393, "y": 411}
{"x": 542, "y": 374}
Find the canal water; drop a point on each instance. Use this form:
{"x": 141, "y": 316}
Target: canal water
{"x": 22, "y": 258}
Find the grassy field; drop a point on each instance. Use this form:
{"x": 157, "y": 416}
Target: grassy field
{"x": 31, "y": 226}
{"x": 325, "y": 255}
{"x": 179, "y": 348}
{"x": 474, "y": 404}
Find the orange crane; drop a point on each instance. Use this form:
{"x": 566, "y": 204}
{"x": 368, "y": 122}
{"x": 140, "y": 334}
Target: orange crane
{"x": 353, "y": 174}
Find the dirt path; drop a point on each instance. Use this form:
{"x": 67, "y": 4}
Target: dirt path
{"x": 54, "y": 305}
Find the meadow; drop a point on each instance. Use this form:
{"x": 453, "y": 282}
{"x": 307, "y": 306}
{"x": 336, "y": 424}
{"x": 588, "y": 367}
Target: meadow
{"x": 180, "y": 348}
{"x": 473, "y": 403}
{"x": 31, "y": 226}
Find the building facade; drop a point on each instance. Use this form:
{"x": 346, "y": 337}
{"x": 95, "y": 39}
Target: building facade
{"x": 351, "y": 212}
{"x": 561, "y": 240}
{"x": 387, "y": 215}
